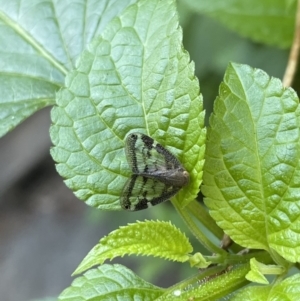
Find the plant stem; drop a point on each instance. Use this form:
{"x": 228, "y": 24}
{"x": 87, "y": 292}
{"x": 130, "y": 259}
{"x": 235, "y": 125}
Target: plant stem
{"x": 196, "y": 231}
{"x": 186, "y": 283}
{"x": 231, "y": 259}
{"x": 201, "y": 214}
{"x": 211, "y": 284}
{"x": 291, "y": 68}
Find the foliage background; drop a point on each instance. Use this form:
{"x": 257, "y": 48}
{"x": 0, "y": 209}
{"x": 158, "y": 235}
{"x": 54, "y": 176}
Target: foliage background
{"x": 43, "y": 223}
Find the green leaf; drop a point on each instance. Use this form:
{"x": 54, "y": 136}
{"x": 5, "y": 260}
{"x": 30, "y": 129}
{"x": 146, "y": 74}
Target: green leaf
{"x": 252, "y": 176}
{"x": 287, "y": 290}
{"x": 269, "y": 21}
{"x": 134, "y": 77}
{"x": 159, "y": 239}
{"x": 255, "y": 274}
{"x": 199, "y": 261}
{"x": 40, "y": 41}
{"x": 258, "y": 270}
{"x": 110, "y": 282}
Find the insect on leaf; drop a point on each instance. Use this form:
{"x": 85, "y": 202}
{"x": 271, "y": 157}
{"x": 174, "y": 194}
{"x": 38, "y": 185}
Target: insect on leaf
{"x": 157, "y": 175}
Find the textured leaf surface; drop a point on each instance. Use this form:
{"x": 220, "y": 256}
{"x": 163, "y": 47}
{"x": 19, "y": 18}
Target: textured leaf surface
{"x": 135, "y": 76}
{"x": 159, "y": 239}
{"x": 40, "y": 41}
{"x": 266, "y": 21}
{"x": 287, "y": 290}
{"x": 252, "y": 179}
{"x": 110, "y": 282}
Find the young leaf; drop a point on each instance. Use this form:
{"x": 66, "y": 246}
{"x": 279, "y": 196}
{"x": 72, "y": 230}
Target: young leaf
{"x": 110, "y": 282}
{"x": 40, "y": 41}
{"x": 255, "y": 274}
{"x": 134, "y": 77}
{"x": 159, "y": 239}
{"x": 252, "y": 174}
{"x": 269, "y": 21}
{"x": 287, "y": 290}
{"x": 199, "y": 261}
{"x": 258, "y": 270}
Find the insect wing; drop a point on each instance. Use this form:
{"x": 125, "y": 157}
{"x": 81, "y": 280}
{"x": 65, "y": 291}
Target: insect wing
{"x": 141, "y": 192}
{"x": 157, "y": 175}
{"x": 144, "y": 155}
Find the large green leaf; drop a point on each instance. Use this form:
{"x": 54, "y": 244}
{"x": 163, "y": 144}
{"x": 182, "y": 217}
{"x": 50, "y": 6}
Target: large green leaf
{"x": 135, "y": 76}
{"x": 252, "y": 175}
{"x": 39, "y": 43}
{"x": 142, "y": 238}
{"x": 267, "y": 21}
{"x": 110, "y": 282}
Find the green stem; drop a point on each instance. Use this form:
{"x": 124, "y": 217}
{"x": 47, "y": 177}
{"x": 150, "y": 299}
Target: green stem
{"x": 186, "y": 283}
{"x": 196, "y": 231}
{"x": 231, "y": 259}
{"x": 221, "y": 286}
{"x": 203, "y": 216}
{"x": 211, "y": 284}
